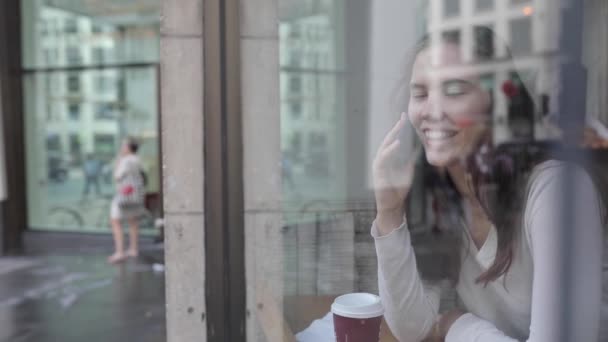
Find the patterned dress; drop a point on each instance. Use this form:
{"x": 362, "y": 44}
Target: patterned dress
{"x": 128, "y": 165}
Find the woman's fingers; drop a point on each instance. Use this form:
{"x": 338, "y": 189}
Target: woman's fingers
{"x": 393, "y": 133}
{"x": 390, "y": 149}
{"x": 399, "y": 170}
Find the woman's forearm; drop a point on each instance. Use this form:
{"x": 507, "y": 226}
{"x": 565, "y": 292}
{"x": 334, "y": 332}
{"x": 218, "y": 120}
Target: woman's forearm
{"x": 410, "y": 308}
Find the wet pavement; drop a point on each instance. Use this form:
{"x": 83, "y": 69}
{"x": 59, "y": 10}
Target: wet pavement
{"x": 81, "y": 298}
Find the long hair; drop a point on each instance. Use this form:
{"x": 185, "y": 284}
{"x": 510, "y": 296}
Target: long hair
{"x": 497, "y": 176}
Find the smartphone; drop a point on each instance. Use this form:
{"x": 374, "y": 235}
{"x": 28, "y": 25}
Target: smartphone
{"x": 411, "y": 146}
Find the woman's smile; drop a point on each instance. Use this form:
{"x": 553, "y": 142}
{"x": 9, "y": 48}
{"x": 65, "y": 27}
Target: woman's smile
{"x": 438, "y": 135}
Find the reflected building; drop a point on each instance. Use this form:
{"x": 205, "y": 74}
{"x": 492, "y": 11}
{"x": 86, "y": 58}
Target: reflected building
{"x": 521, "y": 60}
{"x": 311, "y": 109}
{"x": 81, "y": 108}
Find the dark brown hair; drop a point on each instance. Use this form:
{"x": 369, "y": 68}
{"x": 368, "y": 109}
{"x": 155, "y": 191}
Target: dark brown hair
{"x": 133, "y": 144}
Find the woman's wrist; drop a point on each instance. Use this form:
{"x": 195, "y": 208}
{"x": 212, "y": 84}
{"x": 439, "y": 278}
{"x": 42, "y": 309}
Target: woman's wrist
{"x": 389, "y": 220}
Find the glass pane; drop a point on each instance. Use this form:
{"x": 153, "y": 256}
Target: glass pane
{"x": 451, "y": 8}
{"x": 451, "y": 35}
{"x": 484, "y": 42}
{"x": 59, "y": 33}
{"x": 521, "y": 36}
{"x": 484, "y": 5}
{"x": 312, "y": 103}
{"x": 91, "y": 81}
{"x": 435, "y": 163}
{"x": 75, "y": 123}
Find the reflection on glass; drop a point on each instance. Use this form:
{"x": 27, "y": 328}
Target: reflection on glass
{"x": 451, "y": 8}
{"x": 498, "y": 208}
{"x": 485, "y": 112}
{"x": 484, "y": 40}
{"x": 311, "y": 101}
{"x": 484, "y": 5}
{"x": 73, "y": 138}
{"x": 91, "y": 80}
{"x": 60, "y": 33}
{"x": 521, "y": 36}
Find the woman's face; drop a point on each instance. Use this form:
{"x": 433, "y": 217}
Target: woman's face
{"x": 448, "y": 107}
{"x": 124, "y": 148}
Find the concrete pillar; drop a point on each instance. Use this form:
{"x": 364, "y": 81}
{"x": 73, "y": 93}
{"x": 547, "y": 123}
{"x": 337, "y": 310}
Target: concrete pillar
{"x": 182, "y": 162}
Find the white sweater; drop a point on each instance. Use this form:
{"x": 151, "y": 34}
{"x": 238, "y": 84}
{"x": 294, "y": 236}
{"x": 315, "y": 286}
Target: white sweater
{"x": 526, "y": 305}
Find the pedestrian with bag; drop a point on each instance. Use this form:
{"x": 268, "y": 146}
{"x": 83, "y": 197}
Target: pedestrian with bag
{"x": 128, "y": 202}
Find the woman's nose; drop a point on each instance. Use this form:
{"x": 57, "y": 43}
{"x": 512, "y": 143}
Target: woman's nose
{"x": 433, "y": 110}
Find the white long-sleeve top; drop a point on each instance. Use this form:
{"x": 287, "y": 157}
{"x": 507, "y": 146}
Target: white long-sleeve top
{"x": 128, "y": 164}
{"x": 525, "y": 305}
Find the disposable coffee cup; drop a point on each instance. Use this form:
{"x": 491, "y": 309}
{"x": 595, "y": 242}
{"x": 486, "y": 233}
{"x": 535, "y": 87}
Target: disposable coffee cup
{"x": 357, "y": 317}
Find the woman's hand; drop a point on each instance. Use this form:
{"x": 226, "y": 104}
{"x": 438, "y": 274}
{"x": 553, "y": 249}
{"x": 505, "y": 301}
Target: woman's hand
{"x": 393, "y": 175}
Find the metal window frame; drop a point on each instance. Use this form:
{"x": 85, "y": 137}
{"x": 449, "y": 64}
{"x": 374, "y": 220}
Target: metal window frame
{"x": 13, "y": 210}
{"x": 572, "y": 102}
{"x": 225, "y": 289}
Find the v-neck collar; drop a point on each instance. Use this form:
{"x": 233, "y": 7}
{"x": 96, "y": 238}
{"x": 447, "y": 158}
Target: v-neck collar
{"x": 486, "y": 254}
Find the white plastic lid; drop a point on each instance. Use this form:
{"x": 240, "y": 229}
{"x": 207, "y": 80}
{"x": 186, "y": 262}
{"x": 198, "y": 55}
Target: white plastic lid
{"x": 358, "y": 305}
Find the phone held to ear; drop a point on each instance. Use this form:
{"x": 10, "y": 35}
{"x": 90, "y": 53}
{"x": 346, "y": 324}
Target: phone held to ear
{"x": 410, "y": 145}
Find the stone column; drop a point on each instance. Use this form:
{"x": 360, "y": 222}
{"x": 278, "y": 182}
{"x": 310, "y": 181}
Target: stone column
{"x": 182, "y": 162}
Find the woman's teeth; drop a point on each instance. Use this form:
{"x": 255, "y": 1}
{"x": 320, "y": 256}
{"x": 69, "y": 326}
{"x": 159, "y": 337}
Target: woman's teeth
{"x": 438, "y": 135}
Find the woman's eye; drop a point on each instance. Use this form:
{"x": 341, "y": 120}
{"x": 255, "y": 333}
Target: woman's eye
{"x": 418, "y": 94}
{"x": 454, "y": 88}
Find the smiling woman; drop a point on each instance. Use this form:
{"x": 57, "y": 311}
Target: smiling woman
{"x": 508, "y": 253}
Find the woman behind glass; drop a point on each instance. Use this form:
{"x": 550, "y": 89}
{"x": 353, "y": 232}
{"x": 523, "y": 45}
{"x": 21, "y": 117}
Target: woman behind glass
{"x": 509, "y": 273}
{"x": 127, "y": 165}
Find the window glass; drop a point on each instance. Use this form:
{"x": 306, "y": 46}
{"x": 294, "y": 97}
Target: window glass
{"x": 451, "y": 8}
{"x": 484, "y": 5}
{"x": 127, "y": 32}
{"x": 521, "y": 36}
{"x": 413, "y": 152}
{"x": 451, "y": 35}
{"x": 312, "y": 136}
{"x": 484, "y": 42}
{"x": 90, "y": 81}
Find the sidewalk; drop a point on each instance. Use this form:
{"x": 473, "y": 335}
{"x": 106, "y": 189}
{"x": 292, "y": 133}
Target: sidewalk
{"x": 82, "y": 298}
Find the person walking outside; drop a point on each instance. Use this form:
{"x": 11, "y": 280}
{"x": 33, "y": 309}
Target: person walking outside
{"x": 128, "y": 202}
{"x": 92, "y": 169}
